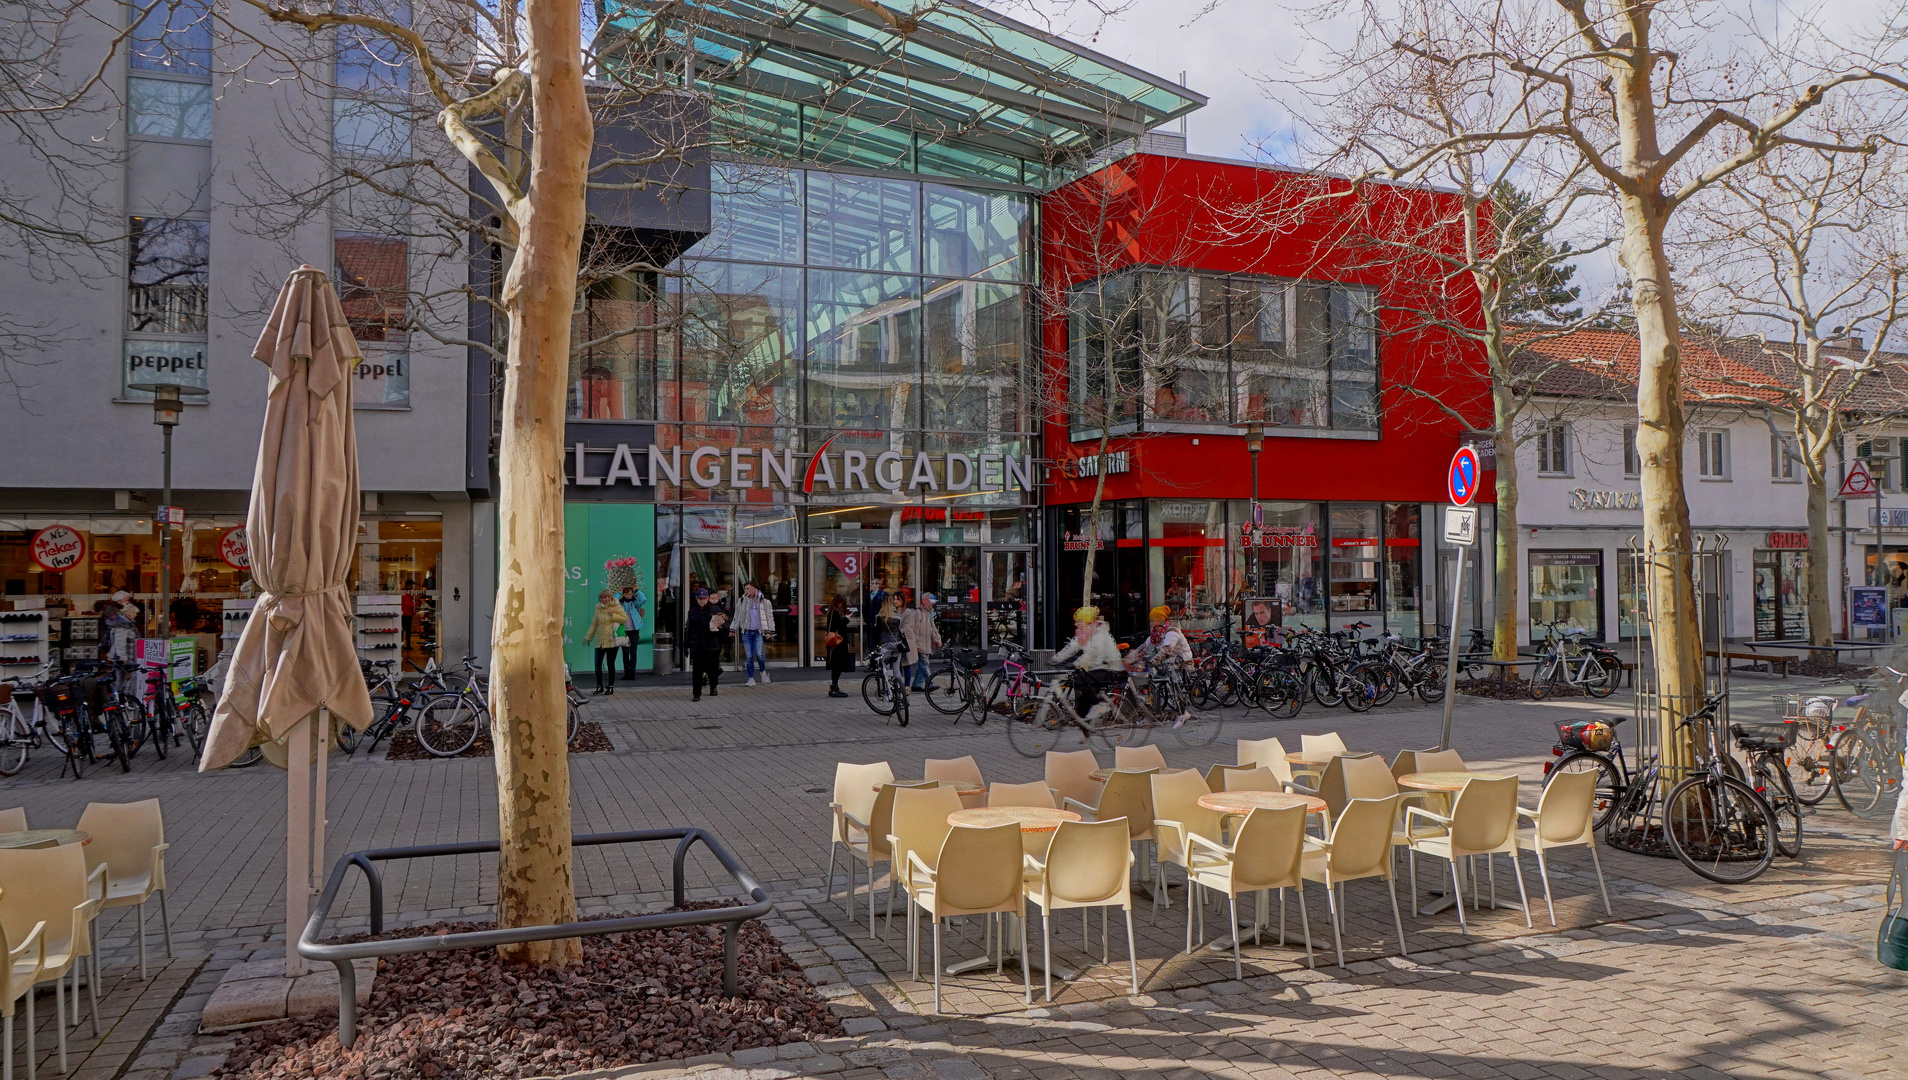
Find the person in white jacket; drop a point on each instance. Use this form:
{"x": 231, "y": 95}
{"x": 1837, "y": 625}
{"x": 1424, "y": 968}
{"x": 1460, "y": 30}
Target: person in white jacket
{"x": 1098, "y": 660}
{"x": 755, "y": 622}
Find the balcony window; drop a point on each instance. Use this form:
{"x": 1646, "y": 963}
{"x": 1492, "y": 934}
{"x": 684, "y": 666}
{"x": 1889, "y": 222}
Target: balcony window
{"x": 166, "y": 275}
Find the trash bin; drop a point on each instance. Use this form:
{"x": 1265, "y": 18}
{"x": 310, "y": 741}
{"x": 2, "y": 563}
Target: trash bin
{"x": 663, "y": 647}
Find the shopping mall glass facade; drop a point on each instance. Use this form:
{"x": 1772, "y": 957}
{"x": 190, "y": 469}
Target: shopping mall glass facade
{"x": 886, "y": 318}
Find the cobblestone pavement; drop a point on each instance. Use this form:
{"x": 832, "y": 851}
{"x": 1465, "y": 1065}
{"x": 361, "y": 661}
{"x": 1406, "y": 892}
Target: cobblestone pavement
{"x": 756, "y": 764}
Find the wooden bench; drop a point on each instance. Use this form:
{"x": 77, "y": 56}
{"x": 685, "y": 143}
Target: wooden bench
{"x": 1770, "y": 659}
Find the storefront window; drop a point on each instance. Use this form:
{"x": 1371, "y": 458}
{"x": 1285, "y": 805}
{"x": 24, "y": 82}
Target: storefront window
{"x": 1279, "y": 558}
{"x": 1186, "y": 553}
{"x": 613, "y": 364}
{"x": 1633, "y": 607}
{"x": 1782, "y": 595}
{"x": 1566, "y": 586}
{"x": 976, "y": 234}
{"x": 1354, "y": 570}
{"x": 862, "y": 223}
{"x": 399, "y": 557}
{"x": 864, "y": 336}
{"x": 1404, "y": 581}
{"x": 976, "y": 335}
{"x": 740, "y": 333}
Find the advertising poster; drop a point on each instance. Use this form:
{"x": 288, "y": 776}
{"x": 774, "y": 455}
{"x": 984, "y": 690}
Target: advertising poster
{"x": 606, "y": 546}
{"x": 1868, "y": 606}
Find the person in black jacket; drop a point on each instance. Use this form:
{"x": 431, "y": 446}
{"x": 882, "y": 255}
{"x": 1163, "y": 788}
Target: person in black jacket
{"x": 704, "y": 633}
{"x": 840, "y": 658}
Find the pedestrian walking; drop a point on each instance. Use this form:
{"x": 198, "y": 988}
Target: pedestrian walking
{"x": 835, "y": 642}
{"x": 754, "y": 624}
{"x": 704, "y": 633}
{"x": 923, "y": 637}
{"x": 633, "y": 602}
{"x": 608, "y": 624}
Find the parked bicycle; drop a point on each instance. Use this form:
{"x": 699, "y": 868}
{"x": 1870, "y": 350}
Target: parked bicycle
{"x": 1767, "y": 746}
{"x": 1715, "y": 823}
{"x": 19, "y": 735}
{"x": 1593, "y": 746}
{"x": 1573, "y": 659}
{"x": 885, "y": 687}
{"x": 1865, "y": 758}
{"x": 953, "y": 683}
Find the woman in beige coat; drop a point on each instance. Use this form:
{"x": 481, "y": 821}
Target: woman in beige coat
{"x": 609, "y": 629}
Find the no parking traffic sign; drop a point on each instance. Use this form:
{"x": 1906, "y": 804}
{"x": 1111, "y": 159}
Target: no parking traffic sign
{"x": 1462, "y": 479}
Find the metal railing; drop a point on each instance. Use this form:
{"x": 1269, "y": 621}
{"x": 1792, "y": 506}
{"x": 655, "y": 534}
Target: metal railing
{"x": 341, "y": 955}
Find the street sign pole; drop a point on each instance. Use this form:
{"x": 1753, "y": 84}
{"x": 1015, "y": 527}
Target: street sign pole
{"x": 1450, "y": 667}
{"x": 1462, "y": 480}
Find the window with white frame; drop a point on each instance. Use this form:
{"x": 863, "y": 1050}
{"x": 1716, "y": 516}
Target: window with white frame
{"x": 1553, "y": 450}
{"x": 1632, "y": 461}
{"x": 1783, "y": 459}
{"x": 1712, "y": 453}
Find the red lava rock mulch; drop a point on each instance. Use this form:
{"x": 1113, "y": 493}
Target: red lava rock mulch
{"x": 652, "y": 995}
{"x": 405, "y": 747}
{"x": 1513, "y": 691}
{"x": 1829, "y": 669}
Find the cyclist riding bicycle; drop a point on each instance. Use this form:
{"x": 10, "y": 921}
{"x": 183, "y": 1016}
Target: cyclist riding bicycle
{"x": 1096, "y": 660}
{"x": 1165, "y": 642}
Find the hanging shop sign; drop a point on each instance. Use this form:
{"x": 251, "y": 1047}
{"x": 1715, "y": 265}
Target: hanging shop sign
{"x": 1585, "y": 499}
{"x": 1277, "y": 536}
{"x": 1890, "y": 518}
{"x": 235, "y": 549}
{"x": 178, "y": 363}
{"x": 849, "y": 563}
{"x": 1074, "y": 541}
{"x": 602, "y": 466}
{"x": 1081, "y": 468}
{"x": 940, "y": 513}
{"x": 57, "y": 548}
{"x": 1790, "y": 541}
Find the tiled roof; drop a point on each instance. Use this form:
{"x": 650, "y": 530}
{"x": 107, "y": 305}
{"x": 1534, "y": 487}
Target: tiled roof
{"x": 1605, "y": 363}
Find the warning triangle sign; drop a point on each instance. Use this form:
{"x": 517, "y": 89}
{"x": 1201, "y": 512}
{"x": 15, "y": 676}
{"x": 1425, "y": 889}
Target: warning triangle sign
{"x": 1859, "y": 483}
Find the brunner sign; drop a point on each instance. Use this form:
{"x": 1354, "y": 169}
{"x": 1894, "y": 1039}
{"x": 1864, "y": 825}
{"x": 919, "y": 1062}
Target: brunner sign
{"x": 622, "y": 462}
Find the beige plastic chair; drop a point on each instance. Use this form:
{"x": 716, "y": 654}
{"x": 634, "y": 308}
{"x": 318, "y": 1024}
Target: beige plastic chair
{"x": 1331, "y": 784}
{"x": 855, "y": 787}
{"x": 1441, "y": 761}
{"x": 50, "y": 886}
{"x": 1034, "y": 793}
{"x": 983, "y": 876}
{"x": 13, "y": 820}
{"x": 868, "y": 840}
{"x": 1360, "y": 847}
{"x": 1139, "y": 757}
{"x": 960, "y": 768}
{"x": 129, "y": 839}
{"x": 1250, "y": 780}
{"x": 1564, "y": 818}
{"x": 918, "y": 824}
{"x": 1176, "y": 816}
{"x": 1313, "y": 746}
{"x": 22, "y": 975}
{"x": 1126, "y": 795}
{"x": 1069, "y": 774}
{"x": 1089, "y": 864}
{"x": 1265, "y": 854}
{"x": 1267, "y": 754}
{"x": 1406, "y": 762}
{"x": 1483, "y": 821}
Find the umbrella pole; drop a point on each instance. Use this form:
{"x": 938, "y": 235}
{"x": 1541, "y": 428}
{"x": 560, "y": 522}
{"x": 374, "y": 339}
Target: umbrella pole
{"x": 321, "y": 746}
{"x": 297, "y": 842}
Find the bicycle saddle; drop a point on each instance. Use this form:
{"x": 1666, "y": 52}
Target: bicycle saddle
{"x": 1767, "y": 737}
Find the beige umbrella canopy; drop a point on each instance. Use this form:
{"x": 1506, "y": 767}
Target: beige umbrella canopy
{"x": 297, "y": 653}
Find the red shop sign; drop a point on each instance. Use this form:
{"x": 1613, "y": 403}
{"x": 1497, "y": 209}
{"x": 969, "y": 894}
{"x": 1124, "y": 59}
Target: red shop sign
{"x": 1793, "y": 541}
{"x": 235, "y": 549}
{"x": 58, "y": 547}
{"x": 848, "y": 562}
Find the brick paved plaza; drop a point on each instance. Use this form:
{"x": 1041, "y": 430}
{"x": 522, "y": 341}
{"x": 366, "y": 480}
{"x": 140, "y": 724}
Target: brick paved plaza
{"x": 1775, "y": 979}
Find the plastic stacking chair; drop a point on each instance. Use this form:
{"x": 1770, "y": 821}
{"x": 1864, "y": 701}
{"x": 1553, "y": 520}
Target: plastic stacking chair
{"x": 1265, "y": 854}
{"x": 13, "y": 820}
{"x": 1036, "y": 793}
{"x": 918, "y": 824}
{"x": 1267, "y": 754}
{"x": 978, "y": 873}
{"x": 1360, "y": 847}
{"x": 1176, "y": 815}
{"x": 1126, "y": 795}
{"x": 1328, "y": 743}
{"x": 50, "y": 887}
{"x": 1564, "y": 818}
{"x": 1406, "y": 762}
{"x": 855, "y": 787}
{"x": 1238, "y": 778}
{"x": 23, "y": 973}
{"x": 1139, "y": 757}
{"x": 1483, "y": 821}
{"x": 1331, "y": 783}
{"x": 1441, "y": 761}
{"x": 1089, "y": 864}
{"x": 868, "y": 840}
{"x": 129, "y": 839}
{"x": 960, "y": 768}
{"x": 1069, "y": 774}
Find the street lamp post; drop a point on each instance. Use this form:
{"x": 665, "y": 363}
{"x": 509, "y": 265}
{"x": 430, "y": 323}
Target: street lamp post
{"x": 167, "y": 403}
{"x": 1255, "y": 442}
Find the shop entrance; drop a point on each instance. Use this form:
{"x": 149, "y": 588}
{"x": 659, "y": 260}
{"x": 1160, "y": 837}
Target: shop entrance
{"x": 1004, "y": 585}
{"x": 775, "y": 571}
{"x": 1782, "y": 595}
{"x": 864, "y": 578}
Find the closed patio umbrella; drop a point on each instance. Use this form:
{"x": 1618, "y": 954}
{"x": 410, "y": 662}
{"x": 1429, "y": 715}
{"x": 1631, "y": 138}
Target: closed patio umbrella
{"x": 295, "y": 668}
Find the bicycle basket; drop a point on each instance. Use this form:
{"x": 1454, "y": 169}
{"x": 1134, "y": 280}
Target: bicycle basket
{"x": 1773, "y": 738}
{"x": 1586, "y": 735}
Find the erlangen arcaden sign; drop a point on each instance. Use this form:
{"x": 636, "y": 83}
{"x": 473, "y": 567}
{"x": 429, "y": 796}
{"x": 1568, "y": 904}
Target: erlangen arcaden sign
{"x": 825, "y": 470}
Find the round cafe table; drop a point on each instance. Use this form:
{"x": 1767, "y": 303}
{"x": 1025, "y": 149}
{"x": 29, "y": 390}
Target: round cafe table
{"x": 1103, "y": 775}
{"x": 1300, "y": 757}
{"x": 1448, "y": 783}
{"x": 44, "y": 838}
{"x": 1037, "y": 824}
{"x": 1244, "y": 802}
{"x": 966, "y": 789}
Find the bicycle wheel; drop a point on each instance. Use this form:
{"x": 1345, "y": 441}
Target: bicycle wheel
{"x": 1191, "y": 727}
{"x": 1543, "y": 680}
{"x": 159, "y": 727}
{"x": 75, "y": 740}
{"x": 1290, "y": 697}
{"x": 1033, "y": 732}
{"x": 1117, "y": 725}
{"x": 946, "y": 693}
{"x": 1356, "y": 691}
{"x": 1808, "y": 765}
{"x": 134, "y": 727}
{"x": 1599, "y": 681}
{"x": 898, "y": 692}
{"x": 193, "y": 721}
{"x": 874, "y": 691}
{"x": 13, "y": 750}
{"x": 1199, "y": 683}
{"x": 1323, "y": 683}
{"x": 1771, "y": 785}
{"x": 576, "y": 721}
{"x": 447, "y": 726}
{"x": 248, "y": 759}
{"x": 1856, "y": 773}
{"x": 1429, "y": 685}
{"x": 348, "y": 738}
{"x": 1377, "y": 676}
{"x": 978, "y": 704}
{"x": 1609, "y": 784}
{"x": 1245, "y": 689}
{"x": 117, "y": 736}
{"x": 1720, "y": 828}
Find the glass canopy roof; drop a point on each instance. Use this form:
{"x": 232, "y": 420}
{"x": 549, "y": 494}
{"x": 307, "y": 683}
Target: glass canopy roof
{"x": 952, "y": 90}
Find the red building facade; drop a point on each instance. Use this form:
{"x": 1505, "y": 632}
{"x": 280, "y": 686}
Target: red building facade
{"x": 1184, "y": 299}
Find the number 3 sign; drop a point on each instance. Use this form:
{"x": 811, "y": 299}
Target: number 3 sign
{"x": 848, "y": 562}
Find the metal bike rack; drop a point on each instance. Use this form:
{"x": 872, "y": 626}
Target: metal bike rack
{"x": 341, "y": 955}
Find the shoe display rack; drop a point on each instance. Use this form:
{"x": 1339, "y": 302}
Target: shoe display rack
{"x": 23, "y": 642}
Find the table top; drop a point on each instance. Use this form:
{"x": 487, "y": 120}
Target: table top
{"x": 1244, "y": 802}
{"x": 39, "y": 838}
{"x": 1444, "y": 781}
{"x": 961, "y": 787}
{"x": 1029, "y": 818}
{"x": 1300, "y": 757}
{"x": 1102, "y": 775}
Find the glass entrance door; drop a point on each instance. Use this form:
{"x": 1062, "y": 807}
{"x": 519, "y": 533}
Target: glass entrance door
{"x": 773, "y": 571}
{"x": 1004, "y": 584}
{"x": 953, "y": 575}
{"x": 864, "y": 579}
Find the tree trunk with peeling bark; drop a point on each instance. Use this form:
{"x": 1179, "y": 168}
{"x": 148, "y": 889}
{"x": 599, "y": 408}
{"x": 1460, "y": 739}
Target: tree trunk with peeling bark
{"x": 528, "y": 701}
{"x": 1505, "y": 592}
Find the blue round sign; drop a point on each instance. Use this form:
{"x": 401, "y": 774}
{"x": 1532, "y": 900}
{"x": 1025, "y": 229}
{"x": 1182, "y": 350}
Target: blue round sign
{"x": 1461, "y": 481}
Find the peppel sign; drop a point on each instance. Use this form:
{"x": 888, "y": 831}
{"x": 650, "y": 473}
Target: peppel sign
{"x": 58, "y": 547}
{"x": 234, "y": 549}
